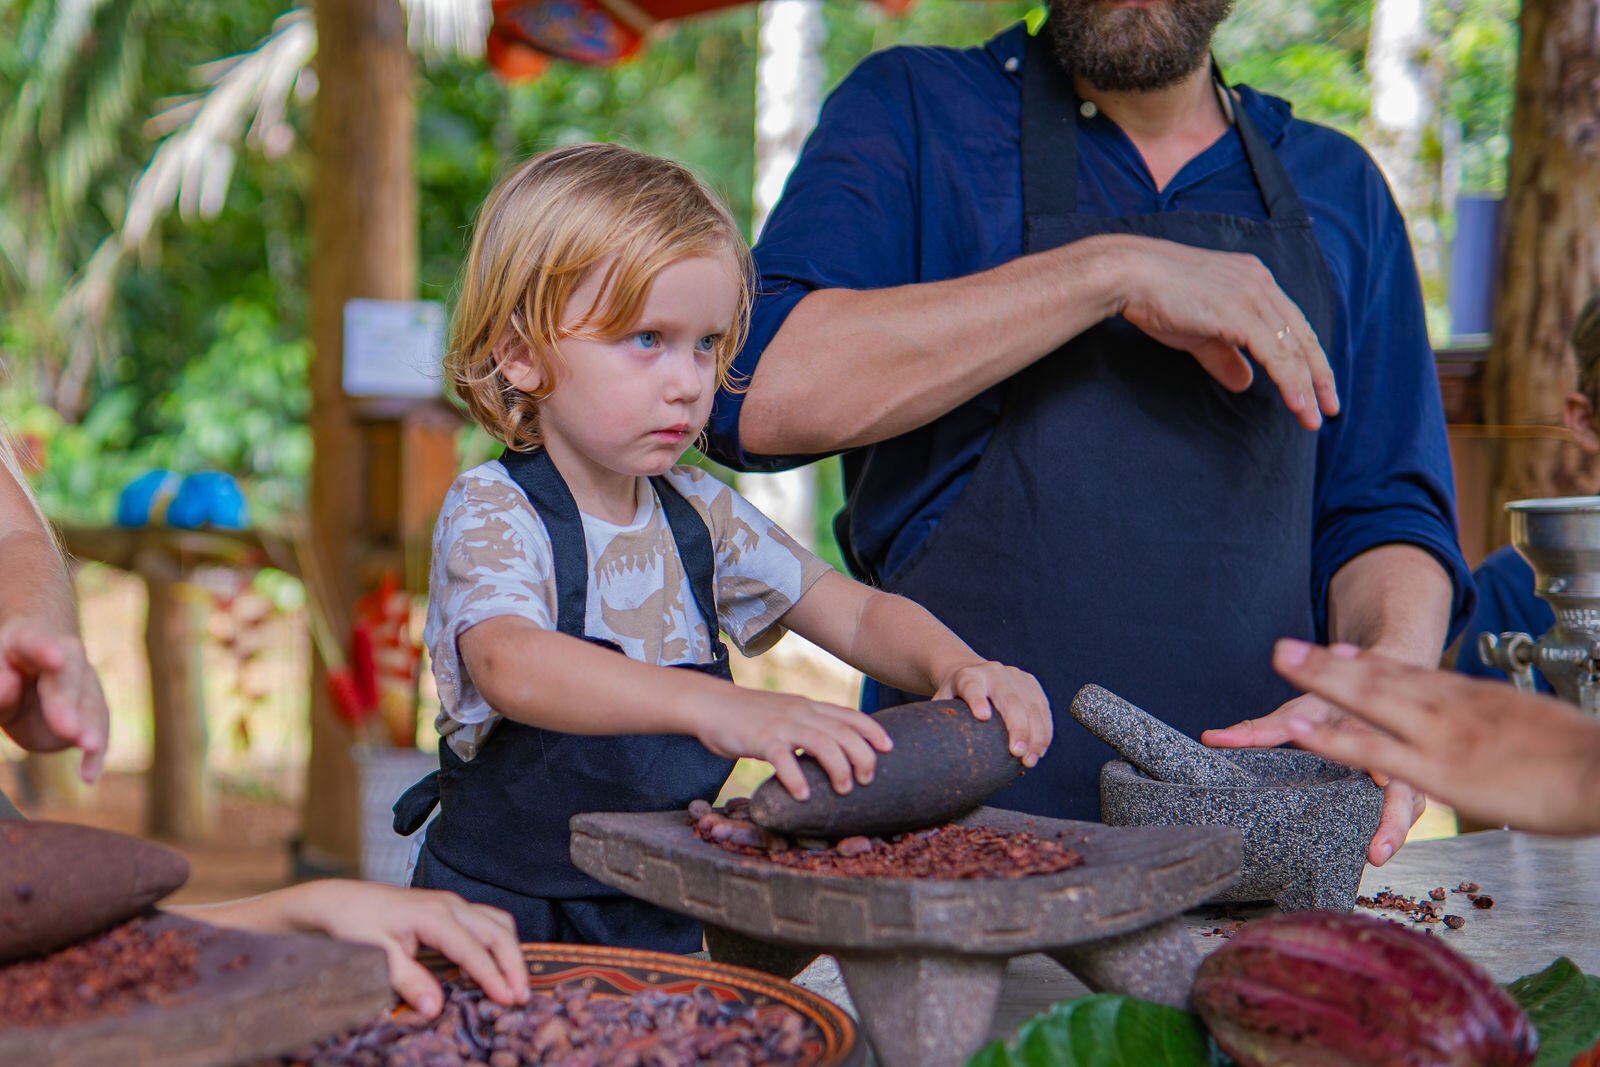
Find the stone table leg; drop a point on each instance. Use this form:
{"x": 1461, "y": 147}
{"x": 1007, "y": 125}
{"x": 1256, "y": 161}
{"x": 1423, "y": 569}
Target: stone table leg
{"x": 1156, "y": 963}
{"x": 923, "y": 1010}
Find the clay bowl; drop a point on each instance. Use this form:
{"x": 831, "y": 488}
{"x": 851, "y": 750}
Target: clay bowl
{"x": 831, "y": 1036}
{"x": 1306, "y": 827}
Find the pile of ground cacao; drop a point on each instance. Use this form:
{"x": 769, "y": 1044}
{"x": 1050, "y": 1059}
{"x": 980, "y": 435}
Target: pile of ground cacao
{"x": 950, "y": 852}
{"x": 113, "y": 973}
{"x": 575, "y": 1027}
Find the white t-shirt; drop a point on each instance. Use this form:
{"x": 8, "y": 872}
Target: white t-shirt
{"x": 492, "y": 557}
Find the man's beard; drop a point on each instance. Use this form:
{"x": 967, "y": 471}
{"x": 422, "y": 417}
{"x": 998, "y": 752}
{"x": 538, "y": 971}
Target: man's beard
{"x": 1133, "y": 49}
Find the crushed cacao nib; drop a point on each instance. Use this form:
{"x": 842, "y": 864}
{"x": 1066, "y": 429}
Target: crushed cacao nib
{"x": 1484, "y": 902}
{"x": 944, "y": 852}
{"x": 1437, "y": 893}
{"x": 1224, "y": 932}
{"x": 1454, "y": 922}
{"x": 571, "y": 1025}
{"x": 112, "y": 973}
{"x": 1467, "y": 887}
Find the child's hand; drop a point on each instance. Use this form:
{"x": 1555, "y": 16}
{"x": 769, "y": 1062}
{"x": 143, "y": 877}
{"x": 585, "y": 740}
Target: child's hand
{"x": 480, "y": 939}
{"x": 771, "y": 726}
{"x": 1023, "y": 706}
{"x": 50, "y": 696}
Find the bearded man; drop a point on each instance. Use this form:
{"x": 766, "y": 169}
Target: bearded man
{"x": 1129, "y": 370}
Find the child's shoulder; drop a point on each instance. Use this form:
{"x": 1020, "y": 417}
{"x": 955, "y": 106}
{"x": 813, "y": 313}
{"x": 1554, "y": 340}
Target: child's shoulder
{"x": 484, "y": 489}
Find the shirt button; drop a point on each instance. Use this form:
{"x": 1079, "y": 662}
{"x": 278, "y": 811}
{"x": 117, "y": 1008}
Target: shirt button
{"x": 1012, "y": 64}
{"x": 1088, "y": 110}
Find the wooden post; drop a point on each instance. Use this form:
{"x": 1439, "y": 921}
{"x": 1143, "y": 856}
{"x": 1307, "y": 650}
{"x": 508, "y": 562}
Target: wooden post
{"x": 364, "y": 244}
{"x": 178, "y": 803}
{"x": 1552, "y": 256}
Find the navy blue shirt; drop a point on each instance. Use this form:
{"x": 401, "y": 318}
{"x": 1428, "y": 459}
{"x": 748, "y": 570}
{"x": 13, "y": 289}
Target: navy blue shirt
{"x": 913, "y": 174}
{"x": 1506, "y": 602}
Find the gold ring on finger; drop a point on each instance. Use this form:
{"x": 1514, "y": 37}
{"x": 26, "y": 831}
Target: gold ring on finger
{"x": 1283, "y": 332}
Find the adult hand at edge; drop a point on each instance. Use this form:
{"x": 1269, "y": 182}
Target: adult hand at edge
{"x": 1492, "y": 753}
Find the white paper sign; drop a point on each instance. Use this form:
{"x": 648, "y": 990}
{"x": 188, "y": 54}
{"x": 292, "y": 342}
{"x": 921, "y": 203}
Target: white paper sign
{"x": 393, "y": 347}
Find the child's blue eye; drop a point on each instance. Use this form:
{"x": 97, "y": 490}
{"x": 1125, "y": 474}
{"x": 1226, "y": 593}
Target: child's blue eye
{"x": 647, "y": 339}
{"x": 708, "y": 343}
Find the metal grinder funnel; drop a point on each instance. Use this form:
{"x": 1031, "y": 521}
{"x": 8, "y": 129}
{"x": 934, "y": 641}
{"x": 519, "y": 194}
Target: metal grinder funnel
{"x": 1560, "y": 539}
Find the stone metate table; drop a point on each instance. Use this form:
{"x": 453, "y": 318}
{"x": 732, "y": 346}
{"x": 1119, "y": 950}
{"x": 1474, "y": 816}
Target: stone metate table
{"x": 1546, "y": 895}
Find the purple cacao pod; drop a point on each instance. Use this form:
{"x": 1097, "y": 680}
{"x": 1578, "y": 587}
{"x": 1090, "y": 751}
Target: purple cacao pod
{"x": 1325, "y": 989}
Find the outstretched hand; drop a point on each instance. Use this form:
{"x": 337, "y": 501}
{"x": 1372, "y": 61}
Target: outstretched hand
{"x": 50, "y": 696}
{"x": 479, "y": 939}
{"x": 1402, "y": 804}
{"x": 775, "y": 726}
{"x": 1491, "y": 752}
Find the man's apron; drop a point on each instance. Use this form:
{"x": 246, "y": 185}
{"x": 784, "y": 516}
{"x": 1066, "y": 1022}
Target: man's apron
{"x": 1132, "y": 523}
{"x": 501, "y": 837}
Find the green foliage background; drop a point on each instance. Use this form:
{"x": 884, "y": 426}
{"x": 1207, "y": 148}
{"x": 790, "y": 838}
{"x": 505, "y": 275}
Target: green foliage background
{"x": 204, "y": 353}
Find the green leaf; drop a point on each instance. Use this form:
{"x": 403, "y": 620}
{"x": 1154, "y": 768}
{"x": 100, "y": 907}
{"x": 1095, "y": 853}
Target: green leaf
{"x": 1103, "y": 1030}
{"x": 1564, "y": 1005}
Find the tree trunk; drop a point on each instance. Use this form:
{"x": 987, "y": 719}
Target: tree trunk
{"x": 788, "y": 95}
{"x": 364, "y": 244}
{"x": 1552, "y": 255}
{"x": 1402, "y": 107}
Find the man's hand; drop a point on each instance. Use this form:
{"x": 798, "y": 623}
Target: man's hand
{"x": 50, "y": 696}
{"x": 1490, "y": 752}
{"x": 987, "y": 686}
{"x": 1218, "y": 305}
{"x": 1402, "y": 805}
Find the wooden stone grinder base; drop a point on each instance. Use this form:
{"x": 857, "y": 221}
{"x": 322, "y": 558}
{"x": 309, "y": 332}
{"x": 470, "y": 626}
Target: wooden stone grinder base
{"x": 923, "y": 959}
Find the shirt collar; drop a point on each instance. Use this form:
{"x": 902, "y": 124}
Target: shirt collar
{"x": 1271, "y": 114}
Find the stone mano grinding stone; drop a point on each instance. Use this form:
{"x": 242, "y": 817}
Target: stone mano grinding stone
{"x": 944, "y": 764}
{"x": 61, "y": 882}
{"x": 1306, "y": 821}
{"x": 1151, "y": 745}
{"x": 258, "y": 996}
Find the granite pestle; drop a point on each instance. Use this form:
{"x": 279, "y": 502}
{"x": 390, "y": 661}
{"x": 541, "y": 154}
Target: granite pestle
{"x": 1151, "y": 745}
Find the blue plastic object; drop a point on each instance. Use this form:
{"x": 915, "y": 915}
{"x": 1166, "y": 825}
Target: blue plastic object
{"x": 145, "y": 500}
{"x": 209, "y": 498}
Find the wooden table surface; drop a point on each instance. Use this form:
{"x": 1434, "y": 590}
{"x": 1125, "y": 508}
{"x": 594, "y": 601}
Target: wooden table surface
{"x": 1546, "y": 892}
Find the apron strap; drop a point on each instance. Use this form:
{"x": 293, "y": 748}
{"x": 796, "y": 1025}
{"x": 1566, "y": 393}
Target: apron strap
{"x": 537, "y": 476}
{"x": 693, "y": 538}
{"x": 1050, "y": 143}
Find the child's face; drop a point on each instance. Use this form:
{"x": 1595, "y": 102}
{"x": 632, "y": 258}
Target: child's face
{"x": 633, "y": 405}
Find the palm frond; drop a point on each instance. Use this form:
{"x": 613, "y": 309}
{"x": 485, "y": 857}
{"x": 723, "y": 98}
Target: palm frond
{"x": 247, "y": 98}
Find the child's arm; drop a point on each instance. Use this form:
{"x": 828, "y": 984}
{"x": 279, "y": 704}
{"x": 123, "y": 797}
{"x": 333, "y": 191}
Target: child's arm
{"x": 549, "y": 679}
{"x": 901, "y": 644}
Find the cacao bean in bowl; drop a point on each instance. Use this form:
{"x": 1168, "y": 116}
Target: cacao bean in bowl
{"x": 599, "y": 1005}
{"x": 1306, "y": 826}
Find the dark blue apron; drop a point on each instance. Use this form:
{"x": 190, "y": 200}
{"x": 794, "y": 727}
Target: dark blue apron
{"x": 1131, "y": 522}
{"x": 501, "y": 837}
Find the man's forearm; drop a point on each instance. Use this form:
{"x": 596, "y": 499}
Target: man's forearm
{"x": 1394, "y": 599}
{"x": 851, "y": 367}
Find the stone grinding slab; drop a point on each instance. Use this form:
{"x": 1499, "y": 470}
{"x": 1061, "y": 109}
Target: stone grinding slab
{"x": 924, "y": 959}
{"x": 1306, "y": 822}
{"x": 944, "y": 764}
{"x": 1130, "y": 878}
{"x": 289, "y": 990}
{"x": 1151, "y": 745}
{"x": 61, "y": 882}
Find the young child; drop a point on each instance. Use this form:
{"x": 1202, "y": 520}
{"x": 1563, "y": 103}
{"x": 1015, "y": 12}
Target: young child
{"x": 580, "y": 581}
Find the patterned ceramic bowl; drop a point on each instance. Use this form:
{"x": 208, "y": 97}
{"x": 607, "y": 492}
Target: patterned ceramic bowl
{"x": 830, "y": 1034}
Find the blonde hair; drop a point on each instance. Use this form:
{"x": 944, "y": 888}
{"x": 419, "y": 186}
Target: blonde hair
{"x": 544, "y": 229}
